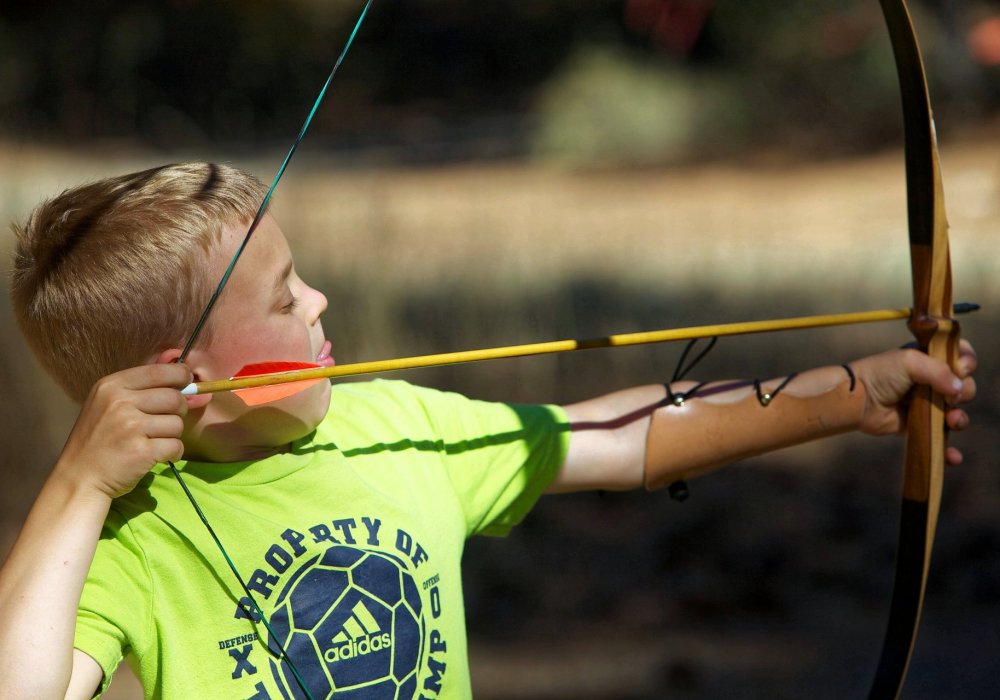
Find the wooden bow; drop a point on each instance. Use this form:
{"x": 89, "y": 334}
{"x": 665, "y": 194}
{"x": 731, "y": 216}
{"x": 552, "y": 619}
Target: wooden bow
{"x": 937, "y": 334}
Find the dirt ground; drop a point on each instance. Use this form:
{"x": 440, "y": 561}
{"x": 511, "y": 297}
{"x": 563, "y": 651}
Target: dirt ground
{"x": 772, "y": 581}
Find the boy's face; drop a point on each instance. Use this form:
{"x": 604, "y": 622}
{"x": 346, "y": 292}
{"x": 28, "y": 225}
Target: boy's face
{"x": 266, "y": 312}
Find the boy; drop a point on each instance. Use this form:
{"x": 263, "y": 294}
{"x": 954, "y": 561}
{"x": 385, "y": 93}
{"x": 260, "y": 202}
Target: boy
{"x": 344, "y": 508}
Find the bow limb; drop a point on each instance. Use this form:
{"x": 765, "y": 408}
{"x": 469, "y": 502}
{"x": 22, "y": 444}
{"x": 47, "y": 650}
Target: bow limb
{"x": 937, "y": 335}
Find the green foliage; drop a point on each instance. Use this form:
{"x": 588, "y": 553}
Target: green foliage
{"x": 612, "y": 106}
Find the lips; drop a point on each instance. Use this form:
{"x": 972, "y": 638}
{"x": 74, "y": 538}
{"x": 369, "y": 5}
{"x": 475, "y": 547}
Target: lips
{"x": 323, "y": 358}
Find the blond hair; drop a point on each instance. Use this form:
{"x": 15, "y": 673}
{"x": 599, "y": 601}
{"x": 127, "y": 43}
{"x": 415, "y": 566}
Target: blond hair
{"x": 110, "y": 273}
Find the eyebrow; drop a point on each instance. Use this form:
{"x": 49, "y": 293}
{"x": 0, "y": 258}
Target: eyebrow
{"x": 281, "y": 276}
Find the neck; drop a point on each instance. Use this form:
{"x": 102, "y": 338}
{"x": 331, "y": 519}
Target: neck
{"x": 231, "y": 452}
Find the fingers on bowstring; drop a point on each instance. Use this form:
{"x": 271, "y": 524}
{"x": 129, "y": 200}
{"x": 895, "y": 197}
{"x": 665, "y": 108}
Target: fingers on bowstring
{"x": 166, "y": 449}
{"x": 156, "y": 427}
{"x": 161, "y": 401}
{"x": 171, "y": 374}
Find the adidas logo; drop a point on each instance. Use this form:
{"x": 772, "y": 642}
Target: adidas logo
{"x": 360, "y": 636}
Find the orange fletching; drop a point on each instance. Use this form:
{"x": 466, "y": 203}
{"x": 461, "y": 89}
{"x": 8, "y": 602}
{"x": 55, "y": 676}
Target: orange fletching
{"x": 258, "y": 395}
{"x": 272, "y": 367}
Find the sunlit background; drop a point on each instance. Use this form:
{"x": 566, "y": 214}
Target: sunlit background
{"x": 488, "y": 173}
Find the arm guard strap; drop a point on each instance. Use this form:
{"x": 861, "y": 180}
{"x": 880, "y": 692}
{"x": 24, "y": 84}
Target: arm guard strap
{"x": 712, "y": 425}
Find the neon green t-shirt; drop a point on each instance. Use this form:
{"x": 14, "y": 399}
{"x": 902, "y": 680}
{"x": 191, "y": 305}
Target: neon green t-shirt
{"x": 351, "y": 544}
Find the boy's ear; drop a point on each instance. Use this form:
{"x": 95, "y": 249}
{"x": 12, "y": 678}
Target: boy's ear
{"x": 169, "y": 356}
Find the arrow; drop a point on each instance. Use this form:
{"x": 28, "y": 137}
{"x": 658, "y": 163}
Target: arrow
{"x": 269, "y": 381}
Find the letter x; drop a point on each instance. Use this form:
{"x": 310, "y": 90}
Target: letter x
{"x": 242, "y": 659}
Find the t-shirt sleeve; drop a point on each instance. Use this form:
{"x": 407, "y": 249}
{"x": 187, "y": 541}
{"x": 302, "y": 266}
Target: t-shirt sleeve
{"x": 499, "y": 457}
{"x": 114, "y": 607}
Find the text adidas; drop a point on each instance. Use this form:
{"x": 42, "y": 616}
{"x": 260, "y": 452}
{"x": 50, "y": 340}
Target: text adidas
{"x": 358, "y": 647}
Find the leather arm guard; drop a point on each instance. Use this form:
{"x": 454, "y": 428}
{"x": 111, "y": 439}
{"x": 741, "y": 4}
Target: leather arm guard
{"x": 693, "y": 433}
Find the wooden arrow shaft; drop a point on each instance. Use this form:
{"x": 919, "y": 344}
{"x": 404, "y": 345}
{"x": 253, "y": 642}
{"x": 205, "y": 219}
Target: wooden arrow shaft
{"x": 551, "y": 347}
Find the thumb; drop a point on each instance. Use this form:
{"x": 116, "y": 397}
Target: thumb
{"x": 933, "y": 373}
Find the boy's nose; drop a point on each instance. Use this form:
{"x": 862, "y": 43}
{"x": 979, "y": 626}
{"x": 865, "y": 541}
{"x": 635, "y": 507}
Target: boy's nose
{"x": 317, "y": 304}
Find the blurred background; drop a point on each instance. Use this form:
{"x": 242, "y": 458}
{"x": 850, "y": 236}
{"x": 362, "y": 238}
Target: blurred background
{"x": 507, "y": 172}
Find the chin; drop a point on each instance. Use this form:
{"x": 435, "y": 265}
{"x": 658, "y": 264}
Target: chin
{"x": 284, "y": 421}
{"x": 318, "y": 405}
{"x": 308, "y": 408}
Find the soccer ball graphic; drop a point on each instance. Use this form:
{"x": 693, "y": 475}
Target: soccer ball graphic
{"x": 351, "y": 622}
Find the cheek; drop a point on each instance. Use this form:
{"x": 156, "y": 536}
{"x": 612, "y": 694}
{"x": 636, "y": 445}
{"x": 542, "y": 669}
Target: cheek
{"x": 271, "y": 342}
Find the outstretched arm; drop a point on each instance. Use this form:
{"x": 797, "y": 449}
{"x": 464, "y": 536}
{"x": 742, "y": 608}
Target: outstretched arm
{"x": 641, "y": 437}
{"x": 131, "y": 421}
